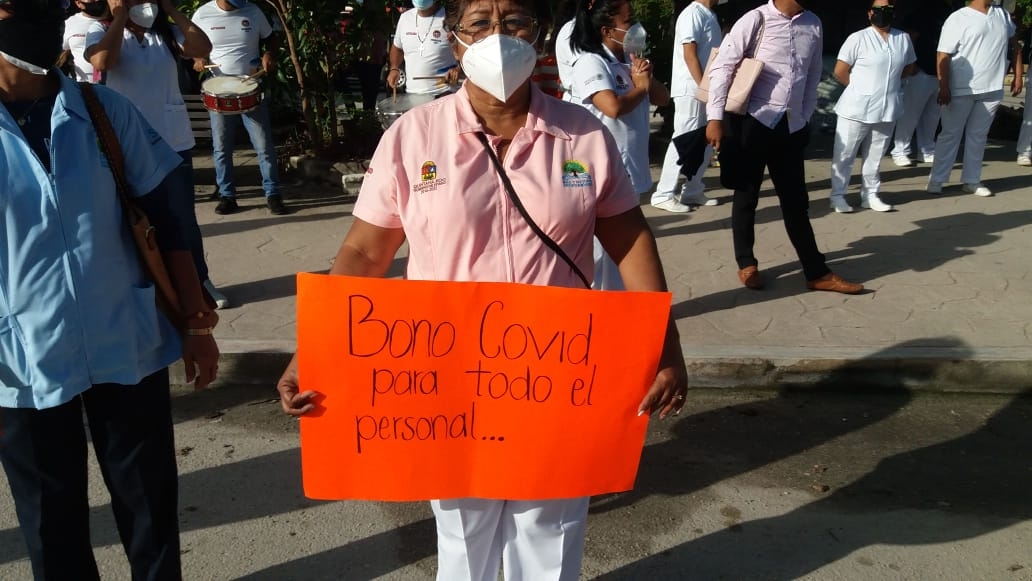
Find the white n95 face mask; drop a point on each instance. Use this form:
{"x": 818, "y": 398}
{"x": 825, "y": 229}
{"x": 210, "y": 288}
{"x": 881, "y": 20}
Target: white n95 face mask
{"x": 635, "y": 39}
{"x": 498, "y": 64}
{"x": 144, "y": 15}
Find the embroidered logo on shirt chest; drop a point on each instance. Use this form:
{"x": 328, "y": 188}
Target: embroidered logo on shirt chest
{"x": 575, "y": 174}
{"x": 428, "y": 179}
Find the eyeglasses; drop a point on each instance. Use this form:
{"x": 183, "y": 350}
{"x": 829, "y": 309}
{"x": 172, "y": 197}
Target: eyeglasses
{"x": 886, "y": 9}
{"x": 511, "y": 25}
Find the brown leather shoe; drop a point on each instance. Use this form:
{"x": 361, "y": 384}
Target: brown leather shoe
{"x": 750, "y": 277}
{"x": 834, "y": 283}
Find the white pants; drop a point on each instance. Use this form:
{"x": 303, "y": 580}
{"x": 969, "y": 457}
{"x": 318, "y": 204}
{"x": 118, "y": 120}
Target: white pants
{"x": 968, "y": 117}
{"x": 539, "y": 540}
{"x": 607, "y": 274}
{"x": 920, "y": 112}
{"x": 867, "y": 138}
{"x": 689, "y": 114}
{"x": 1025, "y": 136}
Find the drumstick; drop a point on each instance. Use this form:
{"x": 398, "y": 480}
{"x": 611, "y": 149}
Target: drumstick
{"x": 394, "y": 94}
{"x": 435, "y": 78}
{"x": 211, "y": 66}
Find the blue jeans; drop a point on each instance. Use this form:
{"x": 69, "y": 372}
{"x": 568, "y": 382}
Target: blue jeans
{"x": 259, "y": 129}
{"x": 180, "y": 186}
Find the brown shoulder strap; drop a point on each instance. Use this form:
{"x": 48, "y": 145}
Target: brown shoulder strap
{"x": 108, "y": 144}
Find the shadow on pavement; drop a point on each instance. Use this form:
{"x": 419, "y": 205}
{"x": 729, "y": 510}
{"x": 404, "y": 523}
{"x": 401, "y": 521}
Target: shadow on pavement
{"x": 932, "y": 243}
{"x": 915, "y": 497}
{"x": 368, "y": 558}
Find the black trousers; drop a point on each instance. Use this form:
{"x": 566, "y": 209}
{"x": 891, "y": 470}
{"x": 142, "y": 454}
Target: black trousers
{"x": 754, "y": 146}
{"x": 44, "y": 455}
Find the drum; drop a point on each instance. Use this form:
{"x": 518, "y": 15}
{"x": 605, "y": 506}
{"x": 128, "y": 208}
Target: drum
{"x": 231, "y": 95}
{"x": 389, "y": 109}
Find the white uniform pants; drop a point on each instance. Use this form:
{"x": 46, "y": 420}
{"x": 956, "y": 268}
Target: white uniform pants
{"x": 1025, "y": 136}
{"x": 689, "y": 114}
{"x": 539, "y": 540}
{"x": 920, "y": 112}
{"x": 967, "y": 117}
{"x": 867, "y": 138}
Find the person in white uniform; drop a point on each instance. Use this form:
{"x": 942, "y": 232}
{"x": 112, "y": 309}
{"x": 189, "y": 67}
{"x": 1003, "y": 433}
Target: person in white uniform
{"x": 74, "y": 42}
{"x": 138, "y": 51}
{"x": 421, "y": 46}
{"x": 565, "y": 57}
{"x": 972, "y": 61}
{"x": 243, "y": 43}
{"x": 617, "y": 87}
{"x": 696, "y": 33}
{"x": 871, "y": 64}
{"x": 915, "y": 129}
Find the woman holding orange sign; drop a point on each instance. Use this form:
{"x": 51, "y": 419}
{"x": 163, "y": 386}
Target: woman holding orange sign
{"x": 461, "y": 179}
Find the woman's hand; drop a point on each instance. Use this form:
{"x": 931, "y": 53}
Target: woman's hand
{"x": 294, "y": 401}
{"x": 667, "y": 393}
{"x": 641, "y": 73}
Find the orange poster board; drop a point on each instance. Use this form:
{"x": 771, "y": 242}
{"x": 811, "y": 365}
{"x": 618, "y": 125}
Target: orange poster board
{"x": 459, "y": 389}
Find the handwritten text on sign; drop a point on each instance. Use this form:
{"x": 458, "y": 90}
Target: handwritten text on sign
{"x": 491, "y": 390}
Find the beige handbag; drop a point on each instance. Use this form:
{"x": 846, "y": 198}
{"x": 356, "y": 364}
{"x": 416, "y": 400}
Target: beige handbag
{"x": 743, "y": 80}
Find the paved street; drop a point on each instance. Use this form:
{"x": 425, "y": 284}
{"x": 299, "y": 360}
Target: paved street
{"x": 741, "y": 486}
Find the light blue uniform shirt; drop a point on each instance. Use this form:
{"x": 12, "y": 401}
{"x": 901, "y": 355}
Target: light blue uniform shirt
{"x": 75, "y": 307}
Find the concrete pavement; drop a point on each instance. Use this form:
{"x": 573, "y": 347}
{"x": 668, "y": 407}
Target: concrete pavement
{"x": 950, "y": 280}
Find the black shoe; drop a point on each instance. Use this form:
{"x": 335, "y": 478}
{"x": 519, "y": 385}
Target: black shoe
{"x": 226, "y": 206}
{"x": 275, "y": 204}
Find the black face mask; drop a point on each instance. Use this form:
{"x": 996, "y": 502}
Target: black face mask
{"x": 881, "y": 17}
{"x": 33, "y": 39}
{"x": 96, "y": 9}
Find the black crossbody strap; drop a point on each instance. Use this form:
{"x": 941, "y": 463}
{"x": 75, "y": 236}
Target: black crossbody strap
{"x": 526, "y": 216}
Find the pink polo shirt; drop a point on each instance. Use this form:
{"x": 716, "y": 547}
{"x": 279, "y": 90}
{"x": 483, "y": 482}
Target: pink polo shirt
{"x": 431, "y": 177}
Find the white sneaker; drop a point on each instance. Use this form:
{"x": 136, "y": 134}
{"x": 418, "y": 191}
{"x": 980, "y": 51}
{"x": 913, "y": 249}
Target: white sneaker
{"x": 934, "y": 188}
{"x": 699, "y": 199}
{"x": 873, "y": 202}
{"x": 930, "y": 158}
{"x": 1024, "y": 160}
{"x": 902, "y": 161}
{"x": 220, "y": 299}
{"x": 839, "y": 204}
{"x": 978, "y": 190}
{"x": 672, "y": 205}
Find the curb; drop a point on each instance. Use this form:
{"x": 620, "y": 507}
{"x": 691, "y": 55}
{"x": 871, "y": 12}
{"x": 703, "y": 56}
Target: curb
{"x": 1001, "y": 371}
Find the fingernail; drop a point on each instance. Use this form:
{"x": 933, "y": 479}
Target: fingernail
{"x": 641, "y": 413}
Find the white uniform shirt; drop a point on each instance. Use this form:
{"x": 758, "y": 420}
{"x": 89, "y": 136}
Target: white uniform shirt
{"x": 565, "y": 57}
{"x": 697, "y": 24}
{"x": 146, "y": 74}
{"x": 978, "y": 45}
{"x": 875, "y": 91}
{"x": 76, "y": 27}
{"x": 234, "y": 36}
{"x": 427, "y": 52}
{"x": 593, "y": 73}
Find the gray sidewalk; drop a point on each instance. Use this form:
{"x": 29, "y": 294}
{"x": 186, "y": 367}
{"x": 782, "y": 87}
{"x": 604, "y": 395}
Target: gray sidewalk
{"x": 948, "y": 308}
